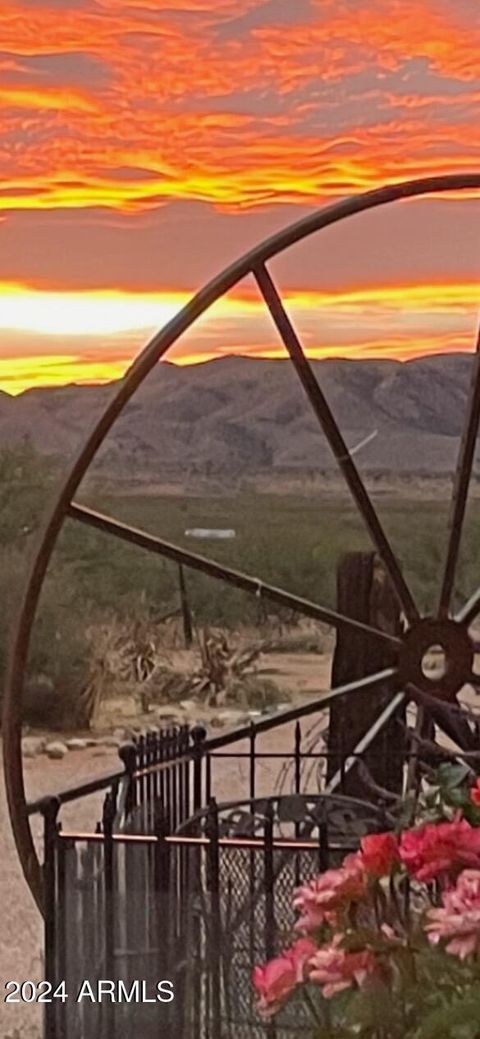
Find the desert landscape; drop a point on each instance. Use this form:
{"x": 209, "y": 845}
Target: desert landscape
{"x": 238, "y": 418}
{"x": 108, "y": 657}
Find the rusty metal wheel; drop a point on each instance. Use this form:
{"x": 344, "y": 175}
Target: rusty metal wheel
{"x": 408, "y": 680}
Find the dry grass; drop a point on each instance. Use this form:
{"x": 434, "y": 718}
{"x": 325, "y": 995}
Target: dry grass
{"x": 140, "y": 661}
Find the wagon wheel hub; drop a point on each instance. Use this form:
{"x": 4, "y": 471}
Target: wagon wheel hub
{"x": 437, "y": 657}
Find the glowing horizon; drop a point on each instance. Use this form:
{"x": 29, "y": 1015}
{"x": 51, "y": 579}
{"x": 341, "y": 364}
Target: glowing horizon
{"x": 121, "y": 172}
{"x": 405, "y": 321}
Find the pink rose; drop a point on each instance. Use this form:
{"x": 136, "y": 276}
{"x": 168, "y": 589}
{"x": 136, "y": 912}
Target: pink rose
{"x": 276, "y": 980}
{"x": 335, "y": 969}
{"x": 438, "y": 849}
{"x": 380, "y": 853}
{"x": 320, "y": 900}
{"x": 459, "y": 919}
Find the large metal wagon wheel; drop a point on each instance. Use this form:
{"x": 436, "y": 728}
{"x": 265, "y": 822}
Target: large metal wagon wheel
{"x": 407, "y": 678}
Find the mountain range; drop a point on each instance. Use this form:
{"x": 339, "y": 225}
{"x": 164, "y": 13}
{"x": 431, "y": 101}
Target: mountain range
{"x": 238, "y": 415}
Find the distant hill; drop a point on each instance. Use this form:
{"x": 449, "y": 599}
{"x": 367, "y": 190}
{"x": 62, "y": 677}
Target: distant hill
{"x": 236, "y": 415}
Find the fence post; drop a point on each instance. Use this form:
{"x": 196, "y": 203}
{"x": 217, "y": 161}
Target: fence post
{"x": 162, "y": 785}
{"x": 199, "y": 735}
{"x": 108, "y": 818}
{"x": 186, "y": 611}
{"x": 298, "y": 757}
{"x": 150, "y": 760}
{"x": 253, "y": 736}
{"x": 142, "y": 785}
{"x": 269, "y": 881}
{"x": 269, "y": 877}
{"x": 128, "y": 756}
{"x": 323, "y": 840}
{"x": 365, "y": 594}
{"x": 175, "y": 778}
{"x": 50, "y": 810}
{"x": 214, "y": 950}
{"x": 164, "y": 905}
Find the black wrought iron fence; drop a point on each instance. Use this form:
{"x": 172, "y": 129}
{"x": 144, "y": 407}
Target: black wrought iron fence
{"x": 197, "y": 909}
{"x": 176, "y": 771}
{"x": 188, "y": 877}
{"x": 133, "y": 920}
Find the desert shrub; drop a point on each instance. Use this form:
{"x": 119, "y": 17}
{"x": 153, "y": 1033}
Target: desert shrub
{"x": 286, "y": 540}
{"x": 295, "y": 641}
{"x": 256, "y": 692}
{"x": 26, "y": 483}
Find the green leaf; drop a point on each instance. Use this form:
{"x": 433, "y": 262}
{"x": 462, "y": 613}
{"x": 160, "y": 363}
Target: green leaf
{"x": 444, "y": 1022}
{"x": 450, "y": 776}
{"x": 457, "y": 797}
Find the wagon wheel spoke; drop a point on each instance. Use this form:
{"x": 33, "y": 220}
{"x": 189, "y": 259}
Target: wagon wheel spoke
{"x": 367, "y": 739}
{"x": 245, "y": 582}
{"x": 448, "y": 718}
{"x": 471, "y": 609}
{"x": 335, "y": 439}
{"x": 461, "y": 484}
{"x": 358, "y": 686}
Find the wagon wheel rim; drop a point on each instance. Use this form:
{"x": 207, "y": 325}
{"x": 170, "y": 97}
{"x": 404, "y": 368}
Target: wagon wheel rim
{"x": 254, "y": 262}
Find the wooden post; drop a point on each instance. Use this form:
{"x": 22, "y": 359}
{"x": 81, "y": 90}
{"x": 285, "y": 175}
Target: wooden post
{"x": 186, "y": 611}
{"x": 364, "y": 593}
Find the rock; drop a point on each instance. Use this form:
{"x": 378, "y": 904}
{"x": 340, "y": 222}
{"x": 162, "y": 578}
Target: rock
{"x": 128, "y": 735}
{"x": 229, "y": 716}
{"x": 217, "y": 723}
{"x": 115, "y": 710}
{"x": 76, "y": 744}
{"x": 109, "y": 741}
{"x": 166, "y": 713}
{"x": 32, "y": 747}
{"x": 91, "y": 741}
{"x": 189, "y": 705}
{"x": 121, "y": 734}
{"x": 28, "y": 751}
{"x": 56, "y": 750}
{"x": 170, "y": 722}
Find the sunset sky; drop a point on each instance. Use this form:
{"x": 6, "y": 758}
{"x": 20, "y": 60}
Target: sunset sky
{"x": 145, "y": 144}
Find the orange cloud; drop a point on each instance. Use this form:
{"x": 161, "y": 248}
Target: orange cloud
{"x": 343, "y": 40}
{"x": 57, "y": 100}
{"x": 226, "y": 164}
{"x": 176, "y": 101}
